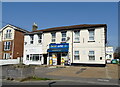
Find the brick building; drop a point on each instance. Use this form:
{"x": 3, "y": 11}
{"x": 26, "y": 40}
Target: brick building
{"x": 11, "y": 42}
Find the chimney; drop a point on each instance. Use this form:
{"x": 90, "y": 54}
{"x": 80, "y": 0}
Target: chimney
{"x": 34, "y": 27}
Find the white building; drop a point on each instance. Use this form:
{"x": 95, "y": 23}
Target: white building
{"x": 82, "y": 44}
{"x": 109, "y": 53}
{"x": 33, "y": 53}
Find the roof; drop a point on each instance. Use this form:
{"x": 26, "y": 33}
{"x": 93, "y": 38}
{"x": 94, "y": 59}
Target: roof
{"x": 82, "y": 26}
{"x": 72, "y": 27}
{"x": 14, "y": 27}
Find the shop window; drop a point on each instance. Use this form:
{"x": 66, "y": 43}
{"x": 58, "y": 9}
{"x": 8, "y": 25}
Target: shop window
{"x": 91, "y": 35}
{"x": 76, "y": 36}
{"x": 64, "y": 54}
{"x": 53, "y": 36}
{"x": 91, "y": 55}
{"x": 76, "y": 55}
{"x": 50, "y": 54}
{"x": 35, "y": 57}
{"x": 63, "y": 36}
{"x": 40, "y": 57}
{"x": 39, "y": 38}
{"x": 31, "y": 39}
{"x": 7, "y": 45}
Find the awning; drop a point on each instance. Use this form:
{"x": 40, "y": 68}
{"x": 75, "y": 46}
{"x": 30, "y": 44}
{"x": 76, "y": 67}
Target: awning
{"x": 58, "y": 50}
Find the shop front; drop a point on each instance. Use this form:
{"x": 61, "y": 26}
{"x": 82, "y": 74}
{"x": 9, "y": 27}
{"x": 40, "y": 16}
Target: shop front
{"x": 58, "y": 54}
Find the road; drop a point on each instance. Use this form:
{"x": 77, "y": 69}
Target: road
{"x": 55, "y": 83}
{"x": 70, "y": 76}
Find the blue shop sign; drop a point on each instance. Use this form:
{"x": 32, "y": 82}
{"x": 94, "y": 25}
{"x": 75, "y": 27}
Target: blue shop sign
{"x": 58, "y": 47}
{"x": 63, "y": 45}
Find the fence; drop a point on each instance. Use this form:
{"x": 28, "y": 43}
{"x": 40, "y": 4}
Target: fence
{"x": 9, "y": 61}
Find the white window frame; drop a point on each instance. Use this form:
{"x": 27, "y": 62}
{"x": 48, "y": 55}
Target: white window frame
{"x": 77, "y": 36}
{"x": 6, "y": 56}
{"x": 76, "y": 55}
{"x": 39, "y": 38}
{"x": 64, "y": 35}
{"x": 8, "y": 34}
{"x": 32, "y": 59}
{"x": 7, "y": 45}
{"x": 31, "y": 39}
{"x": 91, "y": 35}
{"x": 91, "y": 54}
{"x": 53, "y": 37}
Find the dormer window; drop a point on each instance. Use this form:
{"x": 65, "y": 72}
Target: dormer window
{"x": 8, "y": 34}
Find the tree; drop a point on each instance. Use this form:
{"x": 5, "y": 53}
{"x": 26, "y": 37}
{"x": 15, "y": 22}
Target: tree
{"x": 117, "y": 53}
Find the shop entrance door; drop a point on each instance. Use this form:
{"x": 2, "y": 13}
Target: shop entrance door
{"x": 45, "y": 58}
{"x": 58, "y": 58}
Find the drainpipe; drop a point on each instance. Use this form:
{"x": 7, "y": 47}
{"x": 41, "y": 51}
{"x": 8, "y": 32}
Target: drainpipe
{"x": 72, "y": 46}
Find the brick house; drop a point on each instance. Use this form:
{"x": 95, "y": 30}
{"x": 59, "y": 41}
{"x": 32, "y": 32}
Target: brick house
{"x": 11, "y": 42}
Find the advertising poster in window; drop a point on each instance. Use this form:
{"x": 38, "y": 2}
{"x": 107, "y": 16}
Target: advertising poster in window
{"x": 50, "y": 61}
{"x": 54, "y": 57}
{"x": 62, "y": 61}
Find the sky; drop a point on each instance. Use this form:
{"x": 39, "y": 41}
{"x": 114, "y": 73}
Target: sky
{"x": 56, "y": 14}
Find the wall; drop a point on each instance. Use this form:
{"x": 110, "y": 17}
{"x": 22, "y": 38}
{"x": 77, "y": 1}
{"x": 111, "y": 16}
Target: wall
{"x": 9, "y": 51}
{"x": 84, "y": 46}
{"x": 9, "y": 61}
{"x": 4, "y": 32}
{"x": 18, "y": 44}
{"x": 0, "y": 45}
{"x": 0, "y": 36}
{"x": 5, "y": 39}
{"x": 109, "y": 51}
{"x": 35, "y": 48}
{"x": 0, "y": 50}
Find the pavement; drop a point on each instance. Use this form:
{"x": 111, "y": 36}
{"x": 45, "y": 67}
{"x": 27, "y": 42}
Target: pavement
{"x": 108, "y": 72}
{"x": 78, "y": 75}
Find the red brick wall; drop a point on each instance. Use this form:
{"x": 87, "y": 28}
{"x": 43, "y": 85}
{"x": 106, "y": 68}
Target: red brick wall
{"x": 18, "y": 44}
{"x": 11, "y": 46}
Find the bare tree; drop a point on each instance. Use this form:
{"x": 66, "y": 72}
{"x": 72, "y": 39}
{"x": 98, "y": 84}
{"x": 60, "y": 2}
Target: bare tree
{"x": 117, "y": 53}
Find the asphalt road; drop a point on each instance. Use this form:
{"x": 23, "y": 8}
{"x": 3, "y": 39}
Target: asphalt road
{"x": 63, "y": 80}
{"x": 52, "y": 84}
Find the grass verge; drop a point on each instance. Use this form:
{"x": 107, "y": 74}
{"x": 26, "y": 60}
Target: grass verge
{"x": 33, "y": 78}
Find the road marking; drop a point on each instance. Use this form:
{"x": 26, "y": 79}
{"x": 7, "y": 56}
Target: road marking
{"x": 104, "y": 80}
{"x": 106, "y": 72}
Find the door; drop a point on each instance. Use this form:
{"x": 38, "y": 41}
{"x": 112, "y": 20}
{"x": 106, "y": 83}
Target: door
{"x": 58, "y": 58}
{"x": 45, "y": 58}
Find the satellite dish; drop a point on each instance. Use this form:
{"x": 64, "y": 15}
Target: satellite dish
{"x": 68, "y": 38}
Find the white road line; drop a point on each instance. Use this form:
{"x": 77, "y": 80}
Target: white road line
{"x": 107, "y": 74}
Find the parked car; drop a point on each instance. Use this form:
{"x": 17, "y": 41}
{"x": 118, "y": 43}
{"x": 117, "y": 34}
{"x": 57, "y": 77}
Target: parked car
{"x": 115, "y": 61}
